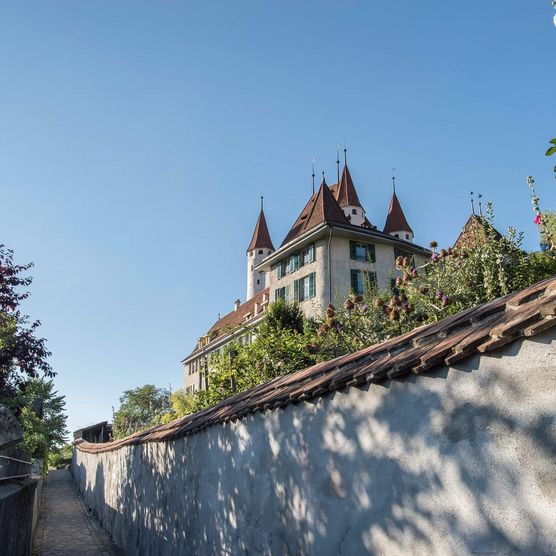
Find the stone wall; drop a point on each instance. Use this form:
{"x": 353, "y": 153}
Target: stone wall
{"x": 18, "y": 504}
{"x": 456, "y": 461}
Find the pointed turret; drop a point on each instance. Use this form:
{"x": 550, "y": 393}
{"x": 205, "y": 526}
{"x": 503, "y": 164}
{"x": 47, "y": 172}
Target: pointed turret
{"x": 396, "y": 222}
{"x": 261, "y": 236}
{"x": 346, "y": 196}
{"x": 260, "y": 247}
{"x": 346, "y": 190}
{"x": 322, "y": 207}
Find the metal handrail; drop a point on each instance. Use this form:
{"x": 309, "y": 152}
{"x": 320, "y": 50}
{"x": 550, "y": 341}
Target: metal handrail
{"x": 15, "y": 477}
{"x": 19, "y": 460}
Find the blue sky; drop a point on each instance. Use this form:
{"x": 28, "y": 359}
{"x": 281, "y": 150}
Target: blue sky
{"x": 136, "y": 138}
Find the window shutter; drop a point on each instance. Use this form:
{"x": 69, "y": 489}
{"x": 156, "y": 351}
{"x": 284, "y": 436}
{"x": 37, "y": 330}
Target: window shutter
{"x": 354, "y": 280}
{"x": 296, "y": 290}
{"x": 352, "y": 251}
{"x": 312, "y": 284}
{"x": 287, "y": 293}
{"x": 371, "y": 254}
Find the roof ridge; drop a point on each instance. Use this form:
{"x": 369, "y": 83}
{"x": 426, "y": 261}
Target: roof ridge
{"x": 321, "y": 207}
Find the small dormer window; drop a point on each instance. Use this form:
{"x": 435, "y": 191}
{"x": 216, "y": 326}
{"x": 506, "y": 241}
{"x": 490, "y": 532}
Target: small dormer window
{"x": 260, "y": 251}
{"x": 353, "y": 211}
{"x": 406, "y": 236}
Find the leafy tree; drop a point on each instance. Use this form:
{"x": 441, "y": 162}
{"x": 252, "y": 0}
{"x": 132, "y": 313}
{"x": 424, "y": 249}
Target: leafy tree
{"x": 281, "y": 346}
{"x": 282, "y": 315}
{"x": 42, "y": 416}
{"x": 140, "y": 408}
{"x": 60, "y": 457}
{"x": 23, "y": 356}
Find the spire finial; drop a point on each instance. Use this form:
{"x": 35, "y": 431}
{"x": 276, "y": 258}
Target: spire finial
{"x": 345, "y": 153}
{"x": 480, "y": 196}
{"x": 338, "y": 162}
{"x": 472, "y": 202}
{"x": 393, "y": 180}
{"x": 262, "y": 202}
{"x": 313, "y": 175}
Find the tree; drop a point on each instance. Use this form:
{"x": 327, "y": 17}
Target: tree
{"x": 140, "y": 408}
{"x": 23, "y": 356}
{"x": 60, "y": 457}
{"x": 42, "y": 416}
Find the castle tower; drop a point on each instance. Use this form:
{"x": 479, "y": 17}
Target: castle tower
{"x": 259, "y": 248}
{"x": 396, "y": 223}
{"x": 347, "y": 198}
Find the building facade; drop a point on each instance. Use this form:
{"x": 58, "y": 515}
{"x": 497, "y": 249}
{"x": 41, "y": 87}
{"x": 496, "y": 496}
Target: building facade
{"x": 331, "y": 250}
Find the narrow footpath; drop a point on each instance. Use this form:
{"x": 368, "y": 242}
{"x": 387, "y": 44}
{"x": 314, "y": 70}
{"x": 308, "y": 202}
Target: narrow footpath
{"x": 64, "y": 525}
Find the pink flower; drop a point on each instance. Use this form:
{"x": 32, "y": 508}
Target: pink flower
{"x": 538, "y": 219}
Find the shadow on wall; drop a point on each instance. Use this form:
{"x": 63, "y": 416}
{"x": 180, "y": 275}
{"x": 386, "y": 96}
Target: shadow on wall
{"x": 423, "y": 465}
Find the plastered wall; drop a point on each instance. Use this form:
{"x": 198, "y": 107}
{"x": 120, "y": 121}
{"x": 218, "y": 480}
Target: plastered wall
{"x": 456, "y": 461}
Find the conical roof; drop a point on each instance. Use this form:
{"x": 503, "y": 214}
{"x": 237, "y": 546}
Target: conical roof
{"x": 261, "y": 236}
{"x": 396, "y": 221}
{"x": 322, "y": 207}
{"x": 345, "y": 192}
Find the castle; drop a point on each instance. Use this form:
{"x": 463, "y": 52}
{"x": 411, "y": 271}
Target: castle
{"x": 332, "y": 249}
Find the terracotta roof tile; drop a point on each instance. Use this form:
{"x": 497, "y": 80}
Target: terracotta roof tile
{"x": 235, "y": 318}
{"x": 477, "y": 330}
{"x": 395, "y": 220}
{"x": 261, "y": 235}
{"x": 475, "y": 230}
{"x": 346, "y": 194}
{"x": 322, "y": 207}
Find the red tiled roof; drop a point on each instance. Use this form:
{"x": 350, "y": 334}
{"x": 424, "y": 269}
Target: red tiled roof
{"x": 322, "y": 207}
{"x": 474, "y": 331}
{"x": 261, "y": 236}
{"x": 474, "y": 230}
{"x": 234, "y": 318}
{"x": 346, "y": 194}
{"x": 396, "y": 221}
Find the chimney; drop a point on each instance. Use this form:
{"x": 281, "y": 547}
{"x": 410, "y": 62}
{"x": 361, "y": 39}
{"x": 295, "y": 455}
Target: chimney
{"x": 237, "y": 303}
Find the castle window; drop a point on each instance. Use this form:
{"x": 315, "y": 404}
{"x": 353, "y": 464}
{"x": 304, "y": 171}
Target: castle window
{"x": 361, "y": 281}
{"x": 362, "y": 251}
{"x": 282, "y": 293}
{"x": 308, "y": 254}
{"x": 260, "y": 251}
{"x": 293, "y": 263}
{"x": 304, "y": 288}
{"x": 353, "y": 211}
{"x": 258, "y": 282}
{"x": 406, "y": 236}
